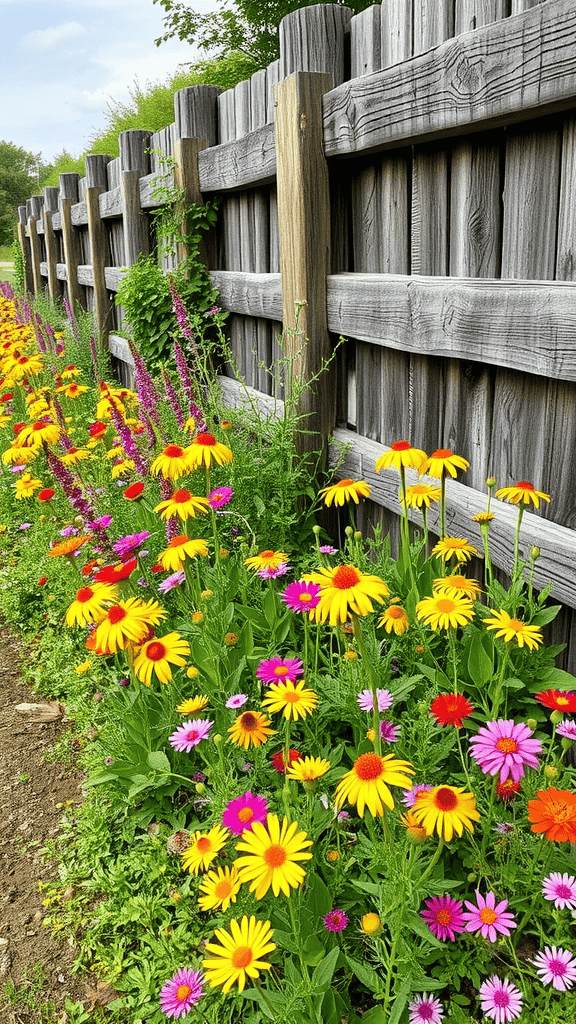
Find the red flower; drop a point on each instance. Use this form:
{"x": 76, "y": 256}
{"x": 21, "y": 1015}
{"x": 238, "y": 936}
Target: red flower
{"x": 278, "y": 760}
{"x": 557, "y": 700}
{"x": 451, "y": 709}
{"x": 7, "y": 397}
{"x": 42, "y": 581}
{"x": 97, "y": 429}
{"x": 45, "y": 494}
{"x": 18, "y": 427}
{"x": 115, "y": 573}
{"x": 133, "y": 492}
{"x": 157, "y": 568}
{"x": 506, "y": 790}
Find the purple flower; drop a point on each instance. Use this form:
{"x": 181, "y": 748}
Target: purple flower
{"x": 335, "y": 921}
{"x": 505, "y": 747}
{"x": 102, "y": 523}
{"x": 180, "y": 311}
{"x": 327, "y": 549}
{"x": 561, "y": 889}
{"x": 237, "y": 700}
{"x": 172, "y": 398}
{"x": 567, "y": 730}
{"x": 366, "y": 700}
{"x": 278, "y": 670}
{"x": 425, "y": 1009}
{"x": 69, "y": 531}
{"x": 556, "y": 966}
{"x": 25, "y": 526}
{"x": 301, "y": 596}
{"x": 181, "y": 993}
{"x": 269, "y": 573}
{"x": 389, "y": 733}
{"x": 172, "y": 581}
{"x": 220, "y": 497}
{"x": 444, "y": 917}
{"x": 500, "y": 1000}
{"x": 126, "y": 545}
{"x": 411, "y": 795}
{"x": 188, "y": 386}
{"x": 489, "y": 918}
{"x": 190, "y": 734}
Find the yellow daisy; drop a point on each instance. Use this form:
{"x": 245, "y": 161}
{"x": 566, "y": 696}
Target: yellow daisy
{"x": 456, "y": 585}
{"x": 205, "y": 449}
{"x": 182, "y": 504}
{"x": 395, "y": 619}
{"x": 239, "y": 955}
{"x": 266, "y": 560}
{"x": 345, "y": 490}
{"x": 25, "y": 486}
{"x": 514, "y": 629}
{"x": 193, "y": 705}
{"x": 251, "y": 728}
{"x": 90, "y": 603}
{"x": 401, "y": 456}
{"x": 418, "y": 495}
{"x": 219, "y": 889}
{"x": 180, "y": 548}
{"x": 125, "y": 622}
{"x": 157, "y": 655}
{"x": 271, "y": 856}
{"x": 523, "y": 493}
{"x": 367, "y": 783}
{"x": 173, "y": 462}
{"x": 444, "y": 612}
{"x": 345, "y": 589}
{"x": 442, "y": 461}
{"x": 308, "y": 769}
{"x": 204, "y": 847}
{"x": 291, "y": 698}
{"x": 454, "y": 547}
{"x": 445, "y": 810}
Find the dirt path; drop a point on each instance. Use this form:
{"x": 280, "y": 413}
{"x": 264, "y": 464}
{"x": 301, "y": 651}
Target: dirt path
{"x": 30, "y": 792}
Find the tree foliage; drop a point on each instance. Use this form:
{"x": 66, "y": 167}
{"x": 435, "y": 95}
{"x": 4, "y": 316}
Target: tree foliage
{"x": 21, "y": 175}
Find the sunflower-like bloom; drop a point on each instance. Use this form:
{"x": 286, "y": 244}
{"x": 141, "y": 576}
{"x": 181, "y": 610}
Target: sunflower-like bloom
{"x": 523, "y": 493}
{"x": 345, "y": 490}
{"x": 203, "y": 848}
{"x": 24, "y": 366}
{"x": 446, "y": 810}
{"x": 74, "y": 455}
{"x": 205, "y": 449}
{"x": 173, "y": 462}
{"x": 73, "y": 390}
{"x": 125, "y": 622}
{"x": 291, "y": 698}
{"x": 271, "y": 856}
{"x": 193, "y": 706}
{"x": 308, "y": 769}
{"x": 182, "y": 504}
{"x": 367, "y": 783}
{"x": 454, "y": 547}
{"x": 442, "y": 461}
{"x": 345, "y": 589}
{"x": 457, "y": 586}
{"x": 38, "y": 431}
{"x": 157, "y": 655}
{"x": 180, "y": 548}
{"x": 395, "y": 620}
{"x": 418, "y": 495}
{"x": 444, "y": 612}
{"x": 514, "y": 629}
{"x": 553, "y": 814}
{"x": 251, "y": 728}
{"x": 26, "y": 485}
{"x": 219, "y": 888}
{"x": 20, "y": 455}
{"x": 266, "y": 560}
{"x": 240, "y": 953}
{"x": 90, "y": 603}
{"x": 401, "y": 455}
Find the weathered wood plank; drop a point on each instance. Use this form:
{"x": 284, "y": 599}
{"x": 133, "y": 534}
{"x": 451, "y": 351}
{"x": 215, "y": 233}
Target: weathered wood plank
{"x": 79, "y": 214}
{"x": 365, "y": 42}
{"x": 530, "y": 198}
{"x": 113, "y": 276}
{"x": 70, "y": 240}
{"x": 149, "y": 184}
{"x": 506, "y": 71}
{"x": 471, "y": 14}
{"x": 57, "y": 221}
{"x": 120, "y": 349}
{"x": 61, "y": 272}
{"x": 85, "y": 275}
{"x": 312, "y": 39}
{"x": 239, "y": 163}
{"x": 111, "y": 203}
{"x": 238, "y": 395}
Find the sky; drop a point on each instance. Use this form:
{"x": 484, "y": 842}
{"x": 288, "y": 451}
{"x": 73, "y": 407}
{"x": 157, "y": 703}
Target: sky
{"x": 62, "y": 62}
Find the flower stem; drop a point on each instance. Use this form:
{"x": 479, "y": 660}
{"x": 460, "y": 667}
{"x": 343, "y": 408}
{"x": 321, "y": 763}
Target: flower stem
{"x": 372, "y": 678}
{"x": 433, "y": 861}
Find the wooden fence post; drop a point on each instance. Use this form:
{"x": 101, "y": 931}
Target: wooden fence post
{"x": 96, "y": 184}
{"x": 34, "y": 212}
{"x": 134, "y": 164}
{"x": 195, "y": 130}
{"x": 68, "y": 198}
{"x": 51, "y": 207}
{"x": 25, "y": 247}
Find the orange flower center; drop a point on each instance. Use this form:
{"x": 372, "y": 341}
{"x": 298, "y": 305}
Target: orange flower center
{"x": 180, "y": 497}
{"x": 84, "y": 594}
{"x": 455, "y": 542}
{"x": 116, "y": 614}
{"x": 304, "y": 598}
{"x": 178, "y": 541}
{"x": 241, "y": 958}
{"x": 446, "y": 799}
{"x": 203, "y": 845}
{"x": 291, "y": 696}
{"x": 401, "y": 446}
{"x": 206, "y": 439}
{"x": 368, "y": 767}
{"x": 39, "y": 426}
{"x": 562, "y": 700}
{"x": 488, "y": 916}
{"x": 516, "y": 625}
{"x": 442, "y": 453}
{"x": 525, "y": 485}
{"x": 245, "y": 814}
{"x": 248, "y": 721}
{"x": 443, "y": 917}
{"x": 444, "y": 604}
{"x": 222, "y": 889}
{"x": 281, "y": 670}
{"x": 507, "y": 745}
{"x": 156, "y": 651}
{"x": 345, "y": 483}
{"x": 395, "y": 612}
{"x": 266, "y": 554}
{"x": 173, "y": 451}
{"x": 183, "y": 991}
{"x": 346, "y": 577}
{"x": 275, "y": 856}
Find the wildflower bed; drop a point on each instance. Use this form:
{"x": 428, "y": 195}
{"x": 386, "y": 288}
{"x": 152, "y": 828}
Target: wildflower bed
{"x": 323, "y": 785}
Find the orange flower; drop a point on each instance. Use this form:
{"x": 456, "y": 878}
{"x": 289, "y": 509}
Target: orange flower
{"x": 553, "y": 812}
{"x": 68, "y": 546}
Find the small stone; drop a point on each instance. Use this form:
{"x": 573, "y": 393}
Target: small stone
{"x": 61, "y": 979}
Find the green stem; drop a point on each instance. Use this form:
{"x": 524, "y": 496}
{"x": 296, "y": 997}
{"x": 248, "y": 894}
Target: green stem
{"x": 488, "y": 574}
{"x": 516, "y": 568}
{"x": 372, "y": 679}
{"x": 498, "y": 694}
{"x": 464, "y": 766}
{"x": 303, "y": 967}
{"x": 442, "y": 506}
{"x": 264, "y": 998}
{"x": 453, "y": 656}
{"x": 433, "y": 861}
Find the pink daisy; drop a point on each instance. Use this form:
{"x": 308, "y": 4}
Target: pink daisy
{"x": 411, "y": 795}
{"x": 242, "y": 812}
{"x": 505, "y": 747}
{"x": 269, "y": 573}
{"x": 300, "y": 596}
{"x": 444, "y": 917}
{"x": 181, "y": 993}
{"x": 556, "y": 965}
{"x": 366, "y": 700}
{"x": 126, "y": 545}
{"x": 335, "y": 921}
{"x": 220, "y": 497}
{"x": 389, "y": 733}
{"x": 489, "y": 918}
{"x": 327, "y": 549}
{"x": 560, "y": 889}
{"x": 425, "y": 1009}
{"x": 190, "y": 734}
{"x": 275, "y": 670}
{"x": 500, "y": 1000}
{"x": 237, "y": 700}
{"x": 172, "y": 581}
{"x": 567, "y": 730}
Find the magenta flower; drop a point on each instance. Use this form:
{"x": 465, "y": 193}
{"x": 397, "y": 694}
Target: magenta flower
{"x": 411, "y": 795}
{"x": 489, "y": 918}
{"x": 389, "y": 733}
{"x": 242, "y": 812}
{"x": 560, "y": 889}
{"x": 327, "y": 549}
{"x": 425, "y": 1010}
{"x": 172, "y": 581}
{"x": 181, "y": 993}
{"x": 366, "y": 700}
{"x": 444, "y": 917}
{"x": 277, "y": 670}
{"x": 335, "y": 921}
{"x": 237, "y": 700}
{"x": 268, "y": 573}
{"x": 220, "y": 497}
{"x": 102, "y": 523}
{"x": 556, "y": 965}
{"x": 190, "y": 734}
{"x": 500, "y": 1000}
{"x": 505, "y": 747}
{"x": 126, "y": 545}
{"x": 301, "y": 596}
{"x": 567, "y": 730}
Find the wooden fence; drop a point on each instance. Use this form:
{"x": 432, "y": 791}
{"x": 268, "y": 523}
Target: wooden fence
{"x": 410, "y": 174}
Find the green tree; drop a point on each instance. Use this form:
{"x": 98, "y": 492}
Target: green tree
{"x": 248, "y": 26}
{"x": 21, "y": 175}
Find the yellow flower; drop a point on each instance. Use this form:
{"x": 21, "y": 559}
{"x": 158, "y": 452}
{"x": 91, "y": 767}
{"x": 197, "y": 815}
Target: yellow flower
{"x": 90, "y": 603}
{"x": 345, "y": 490}
{"x": 291, "y": 698}
{"x": 456, "y": 585}
{"x": 271, "y": 856}
{"x": 19, "y": 455}
{"x": 192, "y": 672}
{"x": 250, "y": 729}
{"x": 308, "y": 769}
{"x": 193, "y": 705}
{"x": 180, "y": 548}
{"x": 418, "y": 495}
{"x": 394, "y": 619}
{"x": 125, "y": 622}
{"x": 514, "y": 629}
{"x": 219, "y": 888}
{"x": 401, "y": 455}
{"x": 444, "y": 612}
{"x": 484, "y": 518}
{"x": 83, "y": 667}
{"x": 173, "y": 462}
{"x": 182, "y": 504}
{"x": 38, "y": 431}
{"x": 240, "y": 953}
{"x": 371, "y": 924}
{"x": 522, "y": 493}
{"x": 204, "y": 847}
{"x": 266, "y": 560}
{"x": 205, "y": 449}
{"x": 332, "y": 856}
{"x": 454, "y": 547}
{"x": 157, "y": 655}
{"x": 345, "y": 589}
{"x": 366, "y": 784}
{"x": 442, "y": 461}
{"x": 26, "y": 485}
{"x": 446, "y": 810}
{"x": 416, "y": 832}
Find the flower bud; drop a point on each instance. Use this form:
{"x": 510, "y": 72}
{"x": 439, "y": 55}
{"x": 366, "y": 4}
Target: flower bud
{"x": 349, "y": 531}
{"x": 200, "y": 787}
{"x": 371, "y": 924}
{"x": 358, "y": 535}
{"x": 207, "y": 594}
{"x": 557, "y": 716}
{"x": 491, "y": 482}
{"x": 534, "y": 553}
{"x": 316, "y": 529}
{"x": 350, "y": 655}
{"x": 472, "y": 876}
{"x": 332, "y": 856}
{"x": 550, "y": 771}
{"x": 531, "y": 723}
{"x": 217, "y": 738}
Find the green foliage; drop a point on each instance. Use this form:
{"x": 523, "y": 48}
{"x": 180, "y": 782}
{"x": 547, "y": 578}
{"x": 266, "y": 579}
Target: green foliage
{"x": 19, "y": 268}
{"x": 22, "y": 174}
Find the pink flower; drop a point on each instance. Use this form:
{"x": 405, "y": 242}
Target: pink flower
{"x": 275, "y": 670}
{"x": 411, "y": 795}
{"x": 505, "y": 747}
{"x": 327, "y": 549}
{"x": 556, "y": 965}
{"x": 561, "y": 889}
{"x": 300, "y": 596}
{"x": 237, "y": 700}
{"x": 567, "y": 730}
{"x": 425, "y": 1009}
{"x": 242, "y": 812}
{"x": 366, "y": 700}
{"x": 489, "y": 918}
{"x": 444, "y": 917}
{"x": 181, "y": 993}
{"x": 126, "y": 545}
{"x": 268, "y": 573}
{"x": 500, "y": 1000}
{"x": 172, "y": 581}
{"x": 220, "y": 497}
{"x": 190, "y": 734}
{"x": 389, "y": 733}
{"x": 335, "y": 921}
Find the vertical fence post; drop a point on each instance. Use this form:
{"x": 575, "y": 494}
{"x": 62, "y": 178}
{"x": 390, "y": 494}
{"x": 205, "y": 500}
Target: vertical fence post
{"x": 34, "y": 212}
{"x": 134, "y": 164}
{"x": 96, "y": 184}
{"x": 50, "y": 208}
{"x": 195, "y": 124}
{"x": 68, "y": 198}
{"x": 25, "y": 247}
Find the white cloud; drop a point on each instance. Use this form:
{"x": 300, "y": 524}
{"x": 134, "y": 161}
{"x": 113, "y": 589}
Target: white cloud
{"x": 53, "y": 38}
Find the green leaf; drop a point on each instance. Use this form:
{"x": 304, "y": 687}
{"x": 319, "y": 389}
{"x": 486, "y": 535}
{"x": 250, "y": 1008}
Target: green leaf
{"x": 419, "y": 927}
{"x": 158, "y": 761}
{"x": 366, "y": 975}
{"x": 400, "y": 1001}
{"x": 322, "y": 975}
{"x": 546, "y": 615}
{"x": 480, "y": 665}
